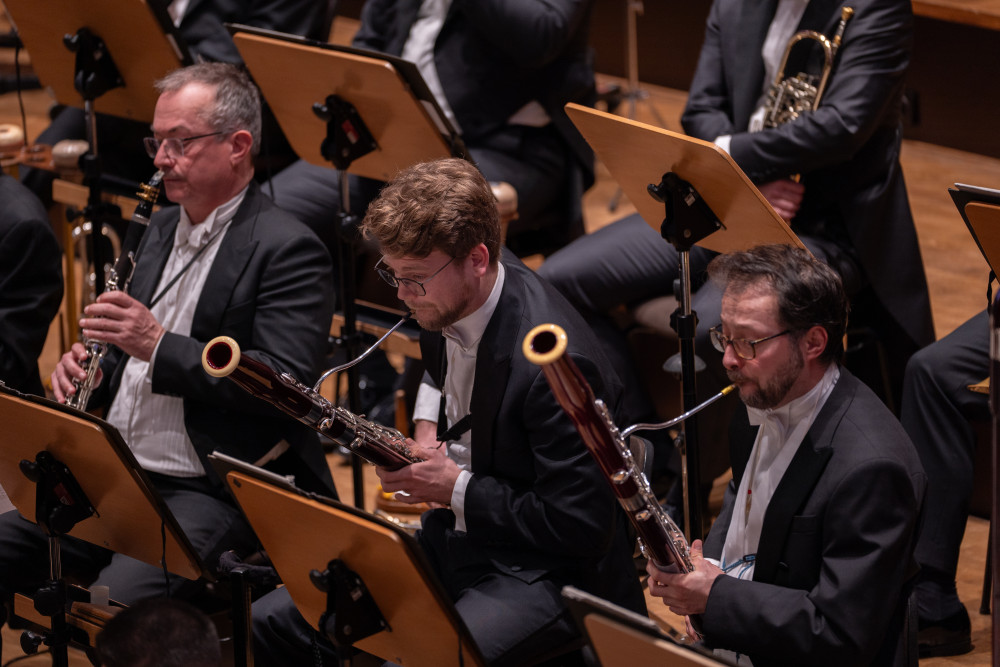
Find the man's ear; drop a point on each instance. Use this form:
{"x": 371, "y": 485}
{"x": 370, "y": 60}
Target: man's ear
{"x": 480, "y": 258}
{"x": 814, "y": 342}
{"x": 242, "y": 144}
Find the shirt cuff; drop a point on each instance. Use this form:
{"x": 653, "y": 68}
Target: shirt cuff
{"x": 724, "y": 141}
{"x": 458, "y": 498}
{"x": 152, "y": 359}
{"x": 427, "y": 404}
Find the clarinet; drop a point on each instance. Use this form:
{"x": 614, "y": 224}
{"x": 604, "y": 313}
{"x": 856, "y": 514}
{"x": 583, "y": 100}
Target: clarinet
{"x": 385, "y": 447}
{"x": 118, "y": 279}
{"x": 659, "y": 537}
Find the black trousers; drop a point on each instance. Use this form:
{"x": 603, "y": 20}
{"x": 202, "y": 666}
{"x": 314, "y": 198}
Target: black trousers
{"x": 937, "y": 410}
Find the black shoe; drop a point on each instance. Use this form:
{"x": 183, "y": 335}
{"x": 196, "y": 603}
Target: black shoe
{"x": 949, "y": 636}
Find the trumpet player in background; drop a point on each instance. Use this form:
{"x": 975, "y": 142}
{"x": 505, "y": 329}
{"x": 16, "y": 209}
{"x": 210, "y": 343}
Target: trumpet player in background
{"x": 849, "y": 207}
{"x": 812, "y": 558}
{"x": 224, "y": 261}
{"x": 521, "y": 508}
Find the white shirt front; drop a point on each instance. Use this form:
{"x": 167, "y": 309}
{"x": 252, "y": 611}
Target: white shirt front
{"x": 781, "y": 432}
{"x": 786, "y": 19}
{"x": 153, "y": 424}
{"x": 461, "y": 347}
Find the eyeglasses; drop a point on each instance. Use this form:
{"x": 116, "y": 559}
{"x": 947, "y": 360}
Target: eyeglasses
{"x": 415, "y": 286}
{"x": 173, "y": 148}
{"x": 743, "y": 347}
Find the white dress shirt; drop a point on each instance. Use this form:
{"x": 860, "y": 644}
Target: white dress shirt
{"x": 153, "y": 424}
{"x": 781, "y": 432}
{"x": 786, "y": 19}
{"x": 461, "y": 347}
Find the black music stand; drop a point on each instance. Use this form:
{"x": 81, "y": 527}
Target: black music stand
{"x": 693, "y": 193}
{"x": 365, "y": 112}
{"x": 84, "y": 482}
{"x": 81, "y": 51}
{"x": 388, "y": 600}
{"x": 622, "y": 638}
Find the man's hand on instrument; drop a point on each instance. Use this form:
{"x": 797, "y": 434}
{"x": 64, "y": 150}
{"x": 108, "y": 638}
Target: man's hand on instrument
{"x": 120, "y": 320}
{"x": 430, "y": 481}
{"x": 686, "y": 593}
{"x": 784, "y": 195}
{"x": 69, "y": 369}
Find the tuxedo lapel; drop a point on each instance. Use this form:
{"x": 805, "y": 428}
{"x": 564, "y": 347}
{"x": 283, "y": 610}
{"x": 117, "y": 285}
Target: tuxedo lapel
{"x": 800, "y": 479}
{"x": 235, "y": 251}
{"x": 749, "y": 80}
{"x": 157, "y": 244}
{"x": 493, "y": 368}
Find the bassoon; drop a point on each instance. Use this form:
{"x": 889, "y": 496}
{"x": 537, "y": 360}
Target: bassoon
{"x": 659, "y": 537}
{"x": 385, "y": 447}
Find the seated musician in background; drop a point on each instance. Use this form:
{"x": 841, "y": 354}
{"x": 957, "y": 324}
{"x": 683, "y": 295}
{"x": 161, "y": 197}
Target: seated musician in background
{"x": 937, "y": 411}
{"x": 521, "y": 507}
{"x": 811, "y": 560}
{"x": 225, "y": 261}
{"x": 850, "y": 208}
{"x": 502, "y": 72}
{"x": 31, "y": 285}
{"x": 159, "y": 632}
{"x": 201, "y": 24}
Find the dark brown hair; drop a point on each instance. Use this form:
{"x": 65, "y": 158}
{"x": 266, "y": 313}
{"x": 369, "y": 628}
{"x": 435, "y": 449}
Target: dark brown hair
{"x": 809, "y": 292}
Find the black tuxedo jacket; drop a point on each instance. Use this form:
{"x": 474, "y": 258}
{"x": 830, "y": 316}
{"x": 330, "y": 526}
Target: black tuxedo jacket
{"x": 270, "y": 288}
{"x": 205, "y": 34}
{"x": 847, "y": 150}
{"x": 31, "y": 284}
{"x": 835, "y": 560}
{"x": 495, "y": 56}
{"x": 537, "y": 504}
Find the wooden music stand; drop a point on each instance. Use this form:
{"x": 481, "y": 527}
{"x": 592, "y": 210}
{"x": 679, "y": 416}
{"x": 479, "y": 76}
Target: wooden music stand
{"x": 129, "y": 510}
{"x": 139, "y": 36}
{"x": 980, "y": 208}
{"x": 424, "y": 627}
{"x": 637, "y": 154}
{"x": 389, "y": 94}
{"x": 622, "y": 638}
{"x": 129, "y": 515}
{"x": 693, "y": 193}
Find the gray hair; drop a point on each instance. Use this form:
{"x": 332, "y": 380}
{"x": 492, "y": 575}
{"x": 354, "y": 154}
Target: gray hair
{"x": 237, "y": 101}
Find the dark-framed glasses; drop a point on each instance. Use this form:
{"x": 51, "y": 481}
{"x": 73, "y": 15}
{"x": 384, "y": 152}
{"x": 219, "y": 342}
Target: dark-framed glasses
{"x": 743, "y": 347}
{"x": 415, "y": 286}
{"x": 173, "y": 148}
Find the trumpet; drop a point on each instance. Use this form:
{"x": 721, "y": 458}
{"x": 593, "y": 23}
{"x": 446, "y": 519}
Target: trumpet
{"x": 789, "y": 97}
{"x": 659, "y": 537}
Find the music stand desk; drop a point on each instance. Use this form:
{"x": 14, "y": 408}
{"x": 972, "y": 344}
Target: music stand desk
{"x": 622, "y": 638}
{"x": 302, "y": 533}
{"x": 129, "y": 511}
{"x": 390, "y": 96}
{"x": 638, "y": 154}
{"x": 141, "y": 40}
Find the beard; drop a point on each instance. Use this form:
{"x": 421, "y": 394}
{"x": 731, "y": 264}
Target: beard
{"x": 770, "y": 394}
{"x": 435, "y": 317}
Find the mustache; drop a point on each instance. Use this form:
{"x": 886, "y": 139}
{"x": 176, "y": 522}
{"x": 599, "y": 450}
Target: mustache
{"x": 735, "y": 376}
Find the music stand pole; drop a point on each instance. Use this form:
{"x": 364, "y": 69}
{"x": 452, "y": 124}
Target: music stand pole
{"x": 95, "y": 74}
{"x": 687, "y": 220}
{"x": 347, "y": 139}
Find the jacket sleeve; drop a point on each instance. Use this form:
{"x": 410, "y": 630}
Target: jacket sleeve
{"x": 863, "y": 94}
{"x": 289, "y": 325}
